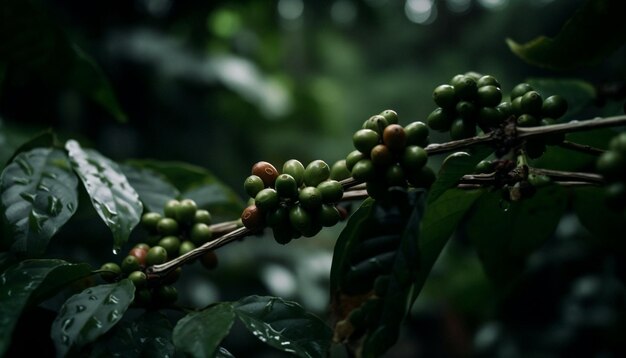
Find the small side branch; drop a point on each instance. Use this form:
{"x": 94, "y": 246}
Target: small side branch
{"x": 583, "y": 148}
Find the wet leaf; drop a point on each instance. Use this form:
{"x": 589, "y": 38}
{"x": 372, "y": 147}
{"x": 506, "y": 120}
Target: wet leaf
{"x": 154, "y": 190}
{"x": 114, "y": 199}
{"x": 594, "y": 32}
{"x": 199, "y": 333}
{"x": 87, "y": 315}
{"x": 284, "y": 325}
{"x": 29, "y": 282}
{"x": 39, "y": 195}
{"x": 149, "y": 335}
{"x": 45, "y": 139}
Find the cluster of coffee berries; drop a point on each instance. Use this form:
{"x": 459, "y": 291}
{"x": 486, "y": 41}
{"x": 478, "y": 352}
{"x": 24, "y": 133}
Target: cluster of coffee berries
{"x": 389, "y": 155}
{"x": 612, "y": 165}
{"x": 298, "y": 202}
{"x": 181, "y": 229}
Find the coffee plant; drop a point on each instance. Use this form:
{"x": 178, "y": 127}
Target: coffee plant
{"x": 503, "y": 185}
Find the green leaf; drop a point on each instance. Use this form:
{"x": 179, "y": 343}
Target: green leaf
{"x": 149, "y": 335}
{"x": 505, "y": 234}
{"x": 284, "y": 325}
{"x": 87, "y": 315}
{"x": 199, "y": 333}
{"x": 31, "y": 281}
{"x": 45, "y": 139}
{"x": 112, "y": 196}
{"x": 153, "y": 189}
{"x": 605, "y": 224}
{"x": 223, "y": 353}
{"x": 198, "y": 184}
{"x": 39, "y": 196}
{"x": 594, "y": 32}
{"x": 346, "y": 242}
{"x": 578, "y": 93}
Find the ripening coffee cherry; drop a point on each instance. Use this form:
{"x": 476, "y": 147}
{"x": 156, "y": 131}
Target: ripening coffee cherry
{"x": 394, "y": 176}
{"x": 466, "y": 110}
{"x": 310, "y": 198}
{"x": 376, "y": 123}
{"x": 394, "y": 137}
{"x": 489, "y": 117}
{"x": 339, "y": 170}
{"x": 252, "y": 218}
{"x": 532, "y": 103}
{"x": 300, "y": 219}
{"x": 363, "y": 170}
{"x": 414, "y": 158}
{"x": 266, "y": 200}
{"x": 365, "y": 139}
{"x": 138, "y": 278}
{"x": 140, "y": 254}
{"x": 186, "y": 211}
{"x": 552, "y": 139}
{"x": 171, "y": 244}
{"x": 444, "y": 96}
{"x": 489, "y": 96}
{"x": 266, "y": 171}
{"x": 465, "y": 88}
{"x": 167, "y": 226}
{"x": 353, "y": 158}
{"x": 209, "y": 260}
{"x": 111, "y": 271}
{"x": 202, "y": 217}
{"x": 527, "y": 120}
{"x": 505, "y": 109}
{"x": 200, "y": 234}
{"x": 156, "y": 256}
{"x": 520, "y": 90}
{"x": 328, "y": 215}
{"x": 488, "y": 80}
{"x": 185, "y": 247}
{"x": 294, "y": 168}
{"x": 142, "y": 246}
{"x": 130, "y": 264}
{"x": 331, "y": 191}
{"x": 554, "y": 107}
{"x": 150, "y": 220}
{"x": 416, "y": 134}
{"x": 440, "y": 120}
{"x": 253, "y": 185}
{"x": 462, "y": 129}
{"x": 165, "y": 295}
{"x": 390, "y": 115}
{"x": 611, "y": 164}
{"x": 316, "y": 172}
{"x": 381, "y": 156}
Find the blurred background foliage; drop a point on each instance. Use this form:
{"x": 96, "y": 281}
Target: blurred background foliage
{"x": 222, "y": 85}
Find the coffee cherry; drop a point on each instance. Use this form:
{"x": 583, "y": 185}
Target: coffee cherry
{"x": 466, "y": 110}
{"x": 130, "y": 264}
{"x": 186, "y": 211}
{"x": 394, "y": 176}
{"x": 520, "y": 90}
{"x": 488, "y": 81}
{"x": 294, "y": 168}
{"x": 150, "y": 220}
{"x": 381, "y": 156}
{"x": 170, "y": 208}
{"x": 611, "y": 164}
{"x": 456, "y": 79}
{"x": 465, "y": 88}
{"x": 339, "y": 170}
{"x": 376, "y": 189}
{"x": 209, "y": 260}
{"x": 200, "y": 234}
{"x": 202, "y": 217}
{"x": 316, "y": 172}
{"x": 390, "y": 115}
{"x": 553, "y": 139}
{"x": 539, "y": 180}
{"x": 266, "y": 171}
{"x": 185, "y": 247}
{"x": 331, "y": 191}
{"x": 140, "y": 254}
{"x": 171, "y": 244}
{"x": 282, "y": 234}
{"x": 526, "y": 120}
{"x": 615, "y": 195}
{"x": 266, "y": 200}
{"x": 173, "y": 276}
{"x": 489, "y": 96}
{"x": 365, "y": 139}
{"x": 353, "y": 158}
{"x": 253, "y": 185}
{"x": 444, "y": 96}
{"x": 394, "y": 137}
{"x": 363, "y": 170}
{"x": 473, "y": 75}
{"x": 167, "y": 226}
{"x": 166, "y": 295}
{"x": 286, "y": 186}
{"x": 489, "y": 117}
{"x": 416, "y": 134}
{"x": 440, "y": 120}
{"x": 516, "y": 106}
{"x": 414, "y": 158}
{"x": 156, "y": 256}
{"x": 142, "y": 246}
{"x": 554, "y": 107}
{"x": 300, "y": 219}
{"x": 111, "y": 271}
{"x": 505, "y": 109}
{"x": 252, "y": 217}
{"x": 278, "y": 217}
{"x": 328, "y": 215}
{"x": 462, "y": 129}
{"x": 484, "y": 167}
{"x": 618, "y": 143}
{"x": 312, "y": 230}
{"x": 423, "y": 178}
{"x": 376, "y": 123}
{"x": 532, "y": 103}
{"x": 143, "y": 297}
{"x": 138, "y": 278}
{"x": 310, "y": 198}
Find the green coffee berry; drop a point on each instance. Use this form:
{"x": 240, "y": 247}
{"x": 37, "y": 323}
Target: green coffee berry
{"x": 394, "y": 137}
{"x": 166, "y": 295}
{"x": 466, "y": 110}
{"x": 440, "y": 120}
{"x": 554, "y": 107}
{"x": 130, "y": 264}
{"x": 456, "y": 79}
{"x": 444, "y": 96}
{"x": 390, "y": 115}
{"x": 170, "y": 208}
{"x": 278, "y": 217}
{"x": 353, "y": 158}
{"x": 532, "y": 103}
{"x": 111, "y": 271}
{"x": 310, "y": 198}
{"x": 473, "y": 75}
{"x": 363, "y": 170}
{"x": 253, "y": 185}
{"x": 328, "y": 215}
{"x": 202, "y": 217}
{"x": 286, "y": 186}
{"x": 516, "y": 106}
{"x": 300, "y": 219}
{"x": 339, "y": 170}
{"x": 489, "y": 117}
{"x": 171, "y": 244}
{"x": 465, "y": 88}
{"x": 505, "y": 109}
{"x": 331, "y": 191}
{"x": 294, "y": 168}
{"x": 266, "y": 171}
{"x": 423, "y": 178}
{"x": 312, "y": 230}
{"x": 266, "y": 200}
{"x": 394, "y": 176}
{"x": 527, "y": 120}
{"x": 365, "y": 139}
{"x": 376, "y": 123}
{"x": 376, "y": 189}
{"x": 381, "y": 156}
{"x": 615, "y": 195}
{"x": 520, "y": 90}
{"x": 138, "y": 278}
{"x": 414, "y": 157}
{"x": 200, "y": 234}
{"x": 156, "y": 256}
{"x": 185, "y": 247}
{"x": 618, "y": 143}
{"x": 316, "y": 172}
{"x": 167, "y": 226}
{"x": 186, "y": 211}
{"x": 282, "y": 234}
{"x": 150, "y": 220}
{"x": 416, "y": 134}
{"x": 489, "y": 96}
{"x": 611, "y": 164}
{"x": 488, "y": 80}
{"x": 462, "y": 129}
